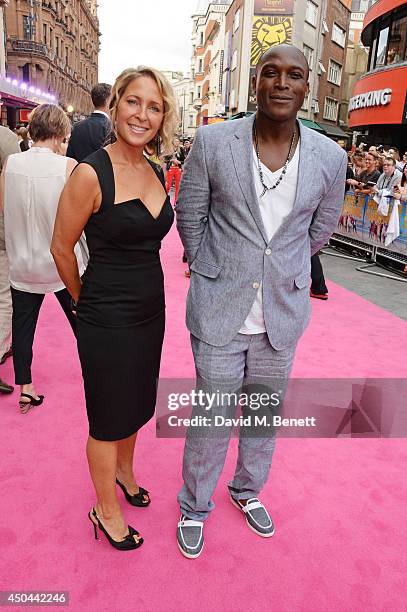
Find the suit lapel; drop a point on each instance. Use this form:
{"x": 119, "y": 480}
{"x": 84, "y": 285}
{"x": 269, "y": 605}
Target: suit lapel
{"x": 241, "y": 146}
{"x": 306, "y": 164}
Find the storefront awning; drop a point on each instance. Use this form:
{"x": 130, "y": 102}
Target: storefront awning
{"x": 333, "y": 130}
{"x": 311, "y": 124}
{"x": 10, "y": 100}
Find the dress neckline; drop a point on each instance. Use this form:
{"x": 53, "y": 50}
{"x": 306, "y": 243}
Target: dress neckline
{"x": 132, "y": 200}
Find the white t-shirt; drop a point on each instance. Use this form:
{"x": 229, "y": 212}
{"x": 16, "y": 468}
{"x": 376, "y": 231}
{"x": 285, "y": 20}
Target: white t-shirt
{"x": 33, "y": 183}
{"x": 274, "y": 206}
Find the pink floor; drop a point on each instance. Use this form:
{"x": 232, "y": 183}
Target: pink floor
{"x": 339, "y": 505}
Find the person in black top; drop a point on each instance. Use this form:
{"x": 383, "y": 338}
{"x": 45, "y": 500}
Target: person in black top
{"x": 94, "y": 132}
{"x": 117, "y": 195}
{"x": 25, "y": 141}
{"x": 370, "y": 175}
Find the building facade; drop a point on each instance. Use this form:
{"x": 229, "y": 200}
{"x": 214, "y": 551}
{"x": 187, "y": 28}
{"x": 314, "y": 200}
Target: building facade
{"x": 184, "y": 93}
{"x": 331, "y": 71}
{"x": 378, "y": 106}
{"x": 207, "y": 61}
{"x": 3, "y": 4}
{"x": 356, "y": 56}
{"x": 53, "y": 46}
{"x": 317, "y": 27}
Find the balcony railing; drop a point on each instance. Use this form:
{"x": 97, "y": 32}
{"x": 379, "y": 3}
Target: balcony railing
{"x": 29, "y": 46}
{"x": 50, "y": 7}
{"x": 62, "y": 23}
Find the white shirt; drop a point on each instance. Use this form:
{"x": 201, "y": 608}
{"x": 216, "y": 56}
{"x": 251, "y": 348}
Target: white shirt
{"x": 99, "y": 112}
{"x": 274, "y": 206}
{"x": 33, "y": 183}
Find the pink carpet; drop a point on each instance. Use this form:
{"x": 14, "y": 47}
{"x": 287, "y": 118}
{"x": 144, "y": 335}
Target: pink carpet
{"x": 339, "y": 505}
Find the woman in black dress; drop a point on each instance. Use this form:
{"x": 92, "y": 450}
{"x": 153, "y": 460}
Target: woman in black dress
{"x": 118, "y": 197}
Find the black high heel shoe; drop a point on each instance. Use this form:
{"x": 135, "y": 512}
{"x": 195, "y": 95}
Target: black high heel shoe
{"x": 137, "y": 499}
{"x": 128, "y": 543}
{"x": 25, "y": 406}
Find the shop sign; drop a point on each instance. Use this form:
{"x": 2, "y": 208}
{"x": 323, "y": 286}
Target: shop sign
{"x": 378, "y": 97}
{"x": 273, "y": 7}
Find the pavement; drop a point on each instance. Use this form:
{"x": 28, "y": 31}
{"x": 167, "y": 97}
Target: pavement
{"x": 391, "y": 295}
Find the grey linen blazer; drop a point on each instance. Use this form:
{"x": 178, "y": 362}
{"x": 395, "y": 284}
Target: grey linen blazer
{"x": 219, "y": 221}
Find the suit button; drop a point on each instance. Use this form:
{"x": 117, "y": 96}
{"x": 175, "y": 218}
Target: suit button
{"x": 256, "y": 285}
{"x": 205, "y": 219}
{"x": 268, "y": 251}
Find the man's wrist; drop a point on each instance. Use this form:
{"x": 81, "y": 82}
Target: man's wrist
{"x": 74, "y": 304}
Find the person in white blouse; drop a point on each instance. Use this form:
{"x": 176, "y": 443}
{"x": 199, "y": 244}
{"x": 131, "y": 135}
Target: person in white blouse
{"x": 30, "y": 186}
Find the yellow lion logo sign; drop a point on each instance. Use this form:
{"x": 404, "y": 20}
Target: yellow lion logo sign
{"x": 267, "y": 32}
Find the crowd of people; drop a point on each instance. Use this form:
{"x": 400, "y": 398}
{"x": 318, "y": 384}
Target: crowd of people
{"x": 84, "y": 217}
{"x": 377, "y": 171}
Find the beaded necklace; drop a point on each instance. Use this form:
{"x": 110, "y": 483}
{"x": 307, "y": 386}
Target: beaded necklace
{"x": 284, "y": 170}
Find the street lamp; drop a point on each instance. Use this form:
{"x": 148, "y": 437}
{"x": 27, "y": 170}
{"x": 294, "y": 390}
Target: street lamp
{"x": 183, "y": 112}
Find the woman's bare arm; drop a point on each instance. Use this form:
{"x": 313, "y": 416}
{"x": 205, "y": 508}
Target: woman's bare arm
{"x": 79, "y": 199}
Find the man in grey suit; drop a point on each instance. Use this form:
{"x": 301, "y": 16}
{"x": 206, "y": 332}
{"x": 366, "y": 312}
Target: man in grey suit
{"x": 258, "y": 197}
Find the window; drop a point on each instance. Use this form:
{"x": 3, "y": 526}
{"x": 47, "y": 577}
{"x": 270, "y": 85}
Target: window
{"x": 201, "y": 41}
{"x": 309, "y": 55}
{"x": 200, "y": 65}
{"x": 45, "y": 31}
{"x": 305, "y": 104}
{"x": 191, "y": 121}
{"x": 26, "y": 73}
{"x": 27, "y": 27}
{"x": 397, "y": 41}
{"x": 373, "y": 54}
{"x": 334, "y": 72}
{"x": 382, "y": 47}
{"x": 234, "y": 60}
{"x": 331, "y": 109}
{"x": 198, "y": 91}
{"x": 236, "y": 21}
{"x": 311, "y": 13}
{"x": 338, "y": 35}
{"x": 191, "y": 97}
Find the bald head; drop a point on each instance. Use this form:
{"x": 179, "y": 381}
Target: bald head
{"x": 281, "y": 82}
{"x": 286, "y": 52}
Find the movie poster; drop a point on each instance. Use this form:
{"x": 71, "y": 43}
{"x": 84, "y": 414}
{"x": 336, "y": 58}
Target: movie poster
{"x": 361, "y": 220}
{"x": 351, "y": 220}
{"x": 267, "y": 32}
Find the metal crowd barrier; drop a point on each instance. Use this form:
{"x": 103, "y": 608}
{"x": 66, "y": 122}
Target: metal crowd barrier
{"x": 361, "y": 226}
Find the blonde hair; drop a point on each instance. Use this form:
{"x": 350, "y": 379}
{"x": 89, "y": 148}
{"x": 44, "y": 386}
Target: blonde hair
{"x": 170, "y": 121}
{"x": 48, "y": 121}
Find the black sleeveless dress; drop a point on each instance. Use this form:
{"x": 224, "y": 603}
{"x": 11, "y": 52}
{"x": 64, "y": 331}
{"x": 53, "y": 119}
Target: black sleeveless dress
{"x": 120, "y": 317}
